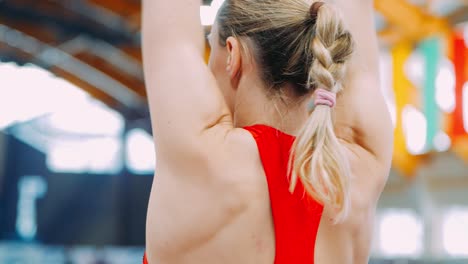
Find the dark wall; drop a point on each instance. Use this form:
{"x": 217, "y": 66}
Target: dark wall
{"x": 20, "y": 160}
{"x": 3, "y": 217}
{"x": 81, "y": 209}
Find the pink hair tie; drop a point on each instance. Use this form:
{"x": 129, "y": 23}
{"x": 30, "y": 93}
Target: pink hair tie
{"x": 324, "y": 97}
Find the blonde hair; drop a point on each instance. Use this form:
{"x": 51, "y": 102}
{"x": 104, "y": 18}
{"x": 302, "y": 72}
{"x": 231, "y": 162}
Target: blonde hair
{"x": 307, "y": 46}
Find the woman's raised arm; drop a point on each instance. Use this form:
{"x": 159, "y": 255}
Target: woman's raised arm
{"x": 362, "y": 115}
{"x": 182, "y": 93}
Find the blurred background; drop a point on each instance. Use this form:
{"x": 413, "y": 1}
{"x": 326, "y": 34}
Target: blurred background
{"x": 76, "y": 154}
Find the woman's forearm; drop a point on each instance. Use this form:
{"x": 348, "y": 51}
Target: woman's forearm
{"x": 168, "y": 23}
{"x": 360, "y": 20}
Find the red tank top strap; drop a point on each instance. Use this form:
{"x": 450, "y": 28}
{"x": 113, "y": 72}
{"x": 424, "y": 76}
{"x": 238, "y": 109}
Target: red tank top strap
{"x": 296, "y": 216}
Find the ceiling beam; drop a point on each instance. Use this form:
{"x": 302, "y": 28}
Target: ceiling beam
{"x": 105, "y": 51}
{"x": 104, "y": 66}
{"x": 48, "y": 56}
{"x": 65, "y": 18}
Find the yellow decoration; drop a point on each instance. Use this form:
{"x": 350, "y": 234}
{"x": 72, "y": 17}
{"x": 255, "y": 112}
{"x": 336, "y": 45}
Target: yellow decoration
{"x": 460, "y": 147}
{"x": 403, "y": 161}
{"x": 398, "y": 13}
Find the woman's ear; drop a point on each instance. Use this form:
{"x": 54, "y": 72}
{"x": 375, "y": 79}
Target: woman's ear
{"x": 234, "y": 60}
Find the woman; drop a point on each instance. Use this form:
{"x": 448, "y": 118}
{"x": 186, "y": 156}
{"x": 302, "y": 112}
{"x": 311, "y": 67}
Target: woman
{"x": 258, "y": 161}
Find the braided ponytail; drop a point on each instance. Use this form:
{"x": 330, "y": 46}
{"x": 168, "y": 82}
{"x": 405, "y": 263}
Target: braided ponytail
{"x": 318, "y": 159}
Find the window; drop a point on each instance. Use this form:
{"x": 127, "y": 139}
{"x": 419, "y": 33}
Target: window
{"x": 455, "y": 232}
{"x": 141, "y": 157}
{"x": 400, "y": 233}
{"x": 415, "y": 129}
{"x": 94, "y": 155}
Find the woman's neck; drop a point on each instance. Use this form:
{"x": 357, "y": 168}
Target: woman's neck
{"x": 282, "y": 109}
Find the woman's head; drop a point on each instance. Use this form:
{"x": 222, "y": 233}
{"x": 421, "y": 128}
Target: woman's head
{"x": 285, "y": 38}
{"x": 298, "y": 44}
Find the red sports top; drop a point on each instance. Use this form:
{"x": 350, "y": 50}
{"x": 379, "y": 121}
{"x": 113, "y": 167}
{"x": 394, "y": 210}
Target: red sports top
{"x": 296, "y": 216}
